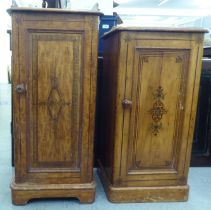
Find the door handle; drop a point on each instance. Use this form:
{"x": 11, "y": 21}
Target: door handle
{"x": 126, "y": 103}
{"x": 21, "y": 88}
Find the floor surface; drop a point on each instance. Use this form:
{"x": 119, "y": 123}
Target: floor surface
{"x": 199, "y": 180}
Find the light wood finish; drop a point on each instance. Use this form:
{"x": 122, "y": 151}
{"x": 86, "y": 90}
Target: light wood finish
{"x": 54, "y": 88}
{"x": 150, "y": 90}
{"x": 118, "y": 29}
{"x": 142, "y": 194}
{"x": 22, "y": 193}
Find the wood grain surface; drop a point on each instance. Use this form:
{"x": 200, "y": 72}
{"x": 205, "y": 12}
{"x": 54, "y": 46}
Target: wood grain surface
{"x": 150, "y": 88}
{"x": 54, "y": 62}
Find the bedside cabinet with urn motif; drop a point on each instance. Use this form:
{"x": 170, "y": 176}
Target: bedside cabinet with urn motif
{"x": 150, "y": 90}
{"x": 54, "y": 86}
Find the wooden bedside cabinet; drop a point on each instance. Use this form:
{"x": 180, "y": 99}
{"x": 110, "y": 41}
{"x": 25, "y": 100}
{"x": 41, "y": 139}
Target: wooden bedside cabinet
{"x": 54, "y": 87}
{"x": 149, "y": 97}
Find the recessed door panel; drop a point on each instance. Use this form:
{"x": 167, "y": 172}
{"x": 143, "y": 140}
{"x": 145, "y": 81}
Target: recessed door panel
{"x": 155, "y": 121}
{"x": 55, "y": 99}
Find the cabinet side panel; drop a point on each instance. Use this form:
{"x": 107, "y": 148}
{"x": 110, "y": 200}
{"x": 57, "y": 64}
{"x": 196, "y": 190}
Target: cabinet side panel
{"x": 93, "y": 89}
{"x": 16, "y": 98}
{"x": 108, "y": 103}
{"x": 197, "y": 46}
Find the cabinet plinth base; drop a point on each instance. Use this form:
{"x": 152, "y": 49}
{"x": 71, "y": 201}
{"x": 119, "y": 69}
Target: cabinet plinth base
{"x": 22, "y": 193}
{"x": 142, "y": 194}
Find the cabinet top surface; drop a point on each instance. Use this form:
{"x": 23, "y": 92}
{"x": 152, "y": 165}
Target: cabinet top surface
{"x": 52, "y": 10}
{"x": 154, "y": 29}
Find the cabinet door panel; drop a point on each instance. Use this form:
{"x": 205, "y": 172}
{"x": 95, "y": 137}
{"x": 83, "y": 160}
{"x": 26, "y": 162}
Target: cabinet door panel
{"x": 56, "y": 101}
{"x": 155, "y": 122}
{"x": 55, "y": 68}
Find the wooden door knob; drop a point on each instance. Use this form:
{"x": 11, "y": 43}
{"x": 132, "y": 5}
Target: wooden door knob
{"x": 20, "y": 88}
{"x": 127, "y": 103}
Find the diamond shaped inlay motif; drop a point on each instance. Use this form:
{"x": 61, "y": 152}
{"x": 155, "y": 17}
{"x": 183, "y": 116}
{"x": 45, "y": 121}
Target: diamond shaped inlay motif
{"x": 55, "y": 101}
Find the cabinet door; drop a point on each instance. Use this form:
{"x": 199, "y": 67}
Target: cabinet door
{"x": 53, "y": 141}
{"x": 155, "y": 126}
